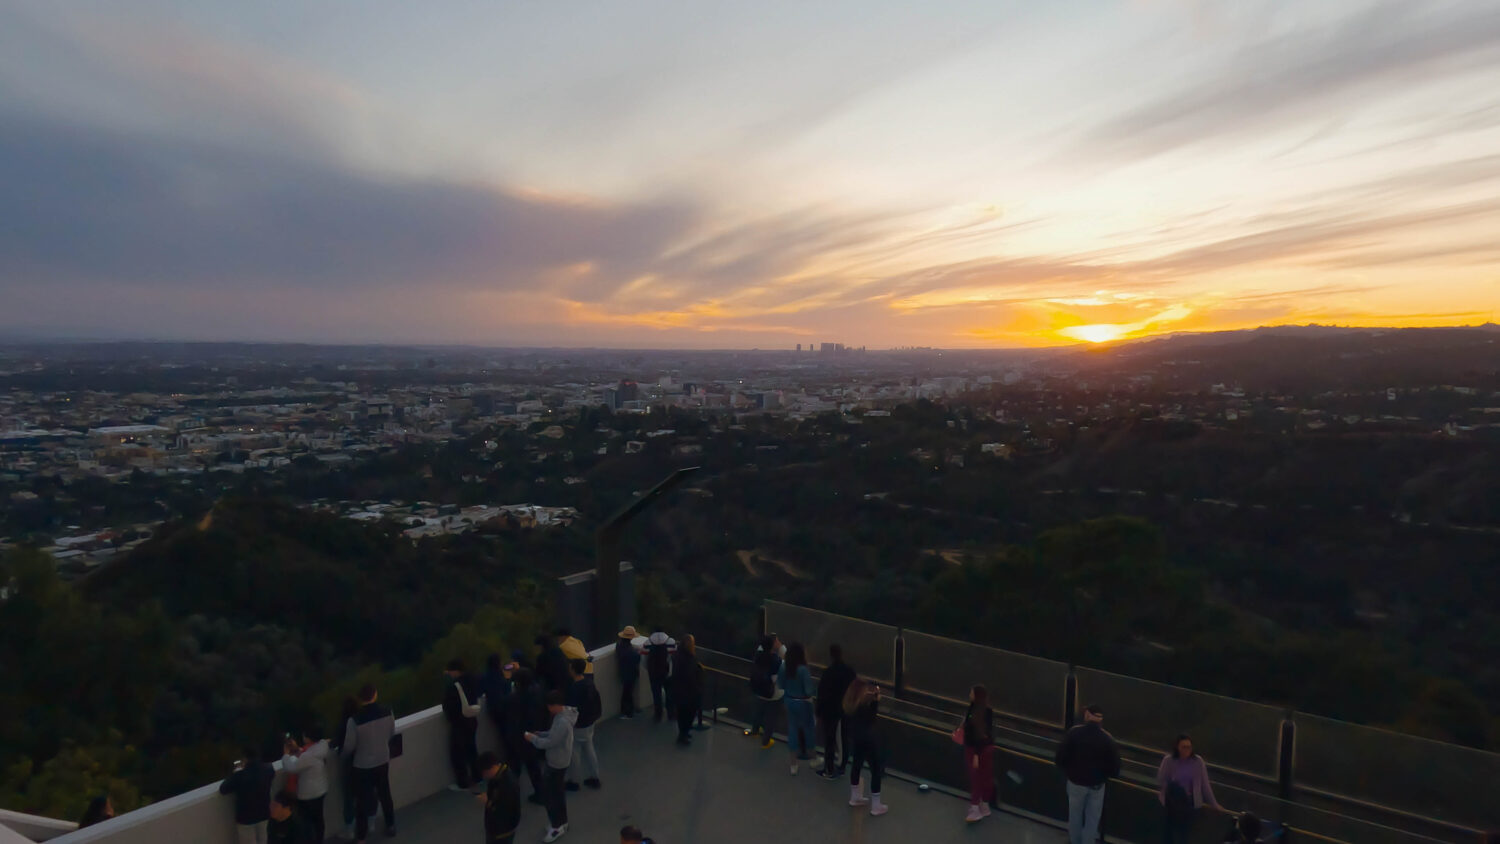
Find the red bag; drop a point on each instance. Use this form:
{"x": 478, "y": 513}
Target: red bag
{"x": 958, "y": 734}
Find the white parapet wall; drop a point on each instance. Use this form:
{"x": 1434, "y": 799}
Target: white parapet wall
{"x": 203, "y": 816}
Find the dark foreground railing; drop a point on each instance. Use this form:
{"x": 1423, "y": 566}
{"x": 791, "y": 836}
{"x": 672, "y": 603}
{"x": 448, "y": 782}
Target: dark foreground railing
{"x": 1325, "y": 780}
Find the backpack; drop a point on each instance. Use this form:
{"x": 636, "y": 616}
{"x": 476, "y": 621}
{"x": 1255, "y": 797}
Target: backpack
{"x": 657, "y": 661}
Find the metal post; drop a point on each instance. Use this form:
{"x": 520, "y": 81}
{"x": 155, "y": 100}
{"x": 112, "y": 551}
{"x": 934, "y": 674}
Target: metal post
{"x": 900, "y": 666}
{"x": 1070, "y": 700}
{"x": 1287, "y": 757}
{"x": 607, "y": 554}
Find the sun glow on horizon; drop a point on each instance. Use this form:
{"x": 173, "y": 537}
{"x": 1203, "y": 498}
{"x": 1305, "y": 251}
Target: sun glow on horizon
{"x": 1098, "y": 333}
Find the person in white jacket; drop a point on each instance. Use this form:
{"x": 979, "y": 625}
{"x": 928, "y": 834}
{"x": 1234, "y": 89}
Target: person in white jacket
{"x": 558, "y": 744}
{"x": 310, "y": 765}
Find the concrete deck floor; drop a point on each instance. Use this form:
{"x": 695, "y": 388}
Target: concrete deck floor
{"x": 724, "y": 788}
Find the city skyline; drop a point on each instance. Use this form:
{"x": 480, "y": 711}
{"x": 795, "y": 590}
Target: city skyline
{"x": 967, "y": 175}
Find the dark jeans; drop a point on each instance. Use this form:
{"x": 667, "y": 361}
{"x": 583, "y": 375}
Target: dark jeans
{"x": 312, "y": 812}
{"x": 835, "y": 736}
{"x": 763, "y": 716}
{"x": 687, "y": 711}
{"x": 373, "y": 784}
{"x": 350, "y": 793}
{"x": 627, "y": 693}
{"x": 867, "y": 751}
{"x": 556, "y": 795}
{"x": 659, "y": 696}
{"x": 1177, "y": 827}
{"x": 521, "y": 755}
{"x": 462, "y": 753}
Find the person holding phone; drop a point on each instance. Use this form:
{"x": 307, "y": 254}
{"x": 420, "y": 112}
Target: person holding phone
{"x": 862, "y": 708}
{"x": 249, "y": 781}
{"x": 309, "y": 764}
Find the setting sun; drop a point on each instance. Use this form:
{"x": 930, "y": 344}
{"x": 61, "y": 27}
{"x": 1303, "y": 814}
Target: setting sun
{"x": 1101, "y": 333}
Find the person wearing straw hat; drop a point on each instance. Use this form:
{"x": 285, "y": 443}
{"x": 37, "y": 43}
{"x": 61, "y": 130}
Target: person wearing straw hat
{"x": 628, "y": 662}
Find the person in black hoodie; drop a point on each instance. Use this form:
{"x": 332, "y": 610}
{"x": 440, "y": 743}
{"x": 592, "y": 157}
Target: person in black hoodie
{"x": 518, "y": 714}
{"x": 584, "y": 697}
{"x": 687, "y": 687}
{"x": 628, "y": 663}
{"x": 831, "y": 687}
{"x": 495, "y": 687}
{"x": 250, "y": 783}
{"x": 461, "y": 708}
{"x": 979, "y": 753}
{"x": 501, "y": 800}
{"x": 1089, "y": 758}
{"x": 551, "y": 665}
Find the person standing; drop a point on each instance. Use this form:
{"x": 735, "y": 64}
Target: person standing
{"x": 765, "y": 674}
{"x": 461, "y": 709}
{"x": 659, "y": 651}
{"x": 523, "y": 710}
{"x": 501, "y": 800}
{"x": 250, "y": 783}
{"x": 572, "y": 648}
{"x": 979, "y": 753}
{"x": 831, "y": 688}
{"x": 1089, "y": 758}
{"x": 494, "y": 689}
{"x": 557, "y": 742}
{"x": 310, "y": 765}
{"x": 1183, "y": 789}
{"x": 348, "y": 792}
{"x": 584, "y": 697}
{"x": 286, "y": 825}
{"x": 628, "y": 662}
{"x": 551, "y": 665}
{"x": 367, "y": 744}
{"x": 796, "y": 681}
{"x": 862, "y": 708}
{"x": 687, "y": 688}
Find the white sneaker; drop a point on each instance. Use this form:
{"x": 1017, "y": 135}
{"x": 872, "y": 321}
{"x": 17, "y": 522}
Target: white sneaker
{"x": 794, "y": 769}
{"x": 974, "y": 816}
{"x": 453, "y": 786}
{"x": 877, "y": 808}
{"x": 984, "y": 810}
{"x": 555, "y": 833}
{"x": 857, "y": 797}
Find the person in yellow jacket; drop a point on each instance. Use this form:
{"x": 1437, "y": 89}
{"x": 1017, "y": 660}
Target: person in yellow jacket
{"x": 573, "y": 649}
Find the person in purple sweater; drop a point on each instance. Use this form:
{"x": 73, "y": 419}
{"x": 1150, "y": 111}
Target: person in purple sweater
{"x": 1183, "y": 789}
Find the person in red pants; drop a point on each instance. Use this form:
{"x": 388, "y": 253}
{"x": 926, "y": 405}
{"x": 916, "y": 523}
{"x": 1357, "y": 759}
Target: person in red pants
{"x": 979, "y": 753}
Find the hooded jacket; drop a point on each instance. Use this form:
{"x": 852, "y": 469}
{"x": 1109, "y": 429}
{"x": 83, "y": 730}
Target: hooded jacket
{"x": 558, "y": 741}
{"x": 311, "y": 768}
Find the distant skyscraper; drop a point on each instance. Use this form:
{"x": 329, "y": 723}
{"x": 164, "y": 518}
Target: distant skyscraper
{"x": 799, "y": 347}
{"x": 629, "y": 391}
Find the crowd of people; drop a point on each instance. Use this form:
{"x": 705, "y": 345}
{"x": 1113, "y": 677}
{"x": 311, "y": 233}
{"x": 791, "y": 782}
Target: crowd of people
{"x": 842, "y": 710}
{"x": 545, "y": 710}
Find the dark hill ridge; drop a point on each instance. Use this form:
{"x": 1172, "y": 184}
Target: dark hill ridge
{"x": 356, "y": 586}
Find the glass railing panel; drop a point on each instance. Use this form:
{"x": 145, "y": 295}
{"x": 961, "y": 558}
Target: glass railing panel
{"x": 1401, "y": 772}
{"x": 869, "y": 647}
{"x": 1229, "y": 733}
{"x": 1019, "y": 685}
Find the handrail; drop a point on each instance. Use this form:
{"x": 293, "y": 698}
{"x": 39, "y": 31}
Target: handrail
{"x": 1301, "y": 833}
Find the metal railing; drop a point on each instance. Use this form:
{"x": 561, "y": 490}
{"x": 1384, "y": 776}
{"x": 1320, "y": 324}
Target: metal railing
{"x": 1325, "y": 779}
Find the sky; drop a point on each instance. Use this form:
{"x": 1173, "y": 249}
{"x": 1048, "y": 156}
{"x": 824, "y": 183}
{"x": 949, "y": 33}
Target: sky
{"x": 744, "y": 175}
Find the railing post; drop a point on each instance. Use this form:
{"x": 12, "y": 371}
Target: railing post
{"x": 1070, "y": 700}
{"x": 1286, "y": 758}
{"x": 900, "y": 666}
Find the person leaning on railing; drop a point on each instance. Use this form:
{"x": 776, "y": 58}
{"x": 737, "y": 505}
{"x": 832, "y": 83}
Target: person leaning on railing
{"x": 1183, "y": 788}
